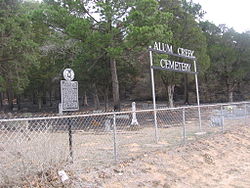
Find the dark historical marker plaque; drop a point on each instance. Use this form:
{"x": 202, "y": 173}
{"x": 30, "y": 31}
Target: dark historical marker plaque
{"x": 69, "y": 95}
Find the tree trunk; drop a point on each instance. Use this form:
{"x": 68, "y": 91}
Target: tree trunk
{"x": 39, "y": 102}
{"x": 206, "y": 93}
{"x": 10, "y": 98}
{"x": 112, "y": 61}
{"x": 44, "y": 97}
{"x": 186, "y": 95}
{"x": 230, "y": 88}
{"x": 106, "y": 99}
{"x": 18, "y": 101}
{"x": 34, "y": 98}
{"x": 171, "y": 95}
{"x": 1, "y": 100}
{"x": 96, "y": 98}
{"x": 230, "y": 96}
{"x": 115, "y": 85}
{"x": 85, "y": 99}
{"x": 50, "y": 98}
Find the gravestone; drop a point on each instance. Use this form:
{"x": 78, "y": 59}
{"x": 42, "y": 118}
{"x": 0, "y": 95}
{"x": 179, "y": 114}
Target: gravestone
{"x": 134, "y": 119}
{"x": 107, "y": 125}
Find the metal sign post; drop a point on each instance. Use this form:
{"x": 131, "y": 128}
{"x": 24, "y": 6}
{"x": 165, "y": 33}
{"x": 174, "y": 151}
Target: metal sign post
{"x": 197, "y": 94}
{"x": 153, "y": 93}
{"x": 69, "y": 101}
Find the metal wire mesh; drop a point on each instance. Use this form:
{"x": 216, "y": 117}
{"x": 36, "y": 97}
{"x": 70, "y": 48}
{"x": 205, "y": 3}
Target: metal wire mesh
{"x": 31, "y": 144}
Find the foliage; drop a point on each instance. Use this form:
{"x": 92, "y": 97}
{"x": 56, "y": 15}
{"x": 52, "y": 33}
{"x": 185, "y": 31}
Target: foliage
{"x": 106, "y": 41}
{"x": 229, "y": 53}
{"x": 17, "y": 48}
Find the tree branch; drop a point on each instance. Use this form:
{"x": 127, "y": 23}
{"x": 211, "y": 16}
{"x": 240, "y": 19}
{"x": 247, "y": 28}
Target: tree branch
{"x": 87, "y": 12}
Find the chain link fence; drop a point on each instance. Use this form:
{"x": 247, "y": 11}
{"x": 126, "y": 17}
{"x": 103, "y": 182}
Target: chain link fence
{"x": 33, "y": 144}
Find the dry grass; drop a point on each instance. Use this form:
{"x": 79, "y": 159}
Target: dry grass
{"x": 36, "y": 159}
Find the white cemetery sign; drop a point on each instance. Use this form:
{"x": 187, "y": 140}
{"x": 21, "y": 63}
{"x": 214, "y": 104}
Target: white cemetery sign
{"x": 69, "y": 92}
{"x": 170, "y": 65}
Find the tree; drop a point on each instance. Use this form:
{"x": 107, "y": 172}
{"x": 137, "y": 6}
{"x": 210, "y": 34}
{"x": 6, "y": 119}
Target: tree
{"x": 228, "y": 51}
{"x": 186, "y": 34}
{"x": 17, "y": 49}
{"x": 121, "y": 27}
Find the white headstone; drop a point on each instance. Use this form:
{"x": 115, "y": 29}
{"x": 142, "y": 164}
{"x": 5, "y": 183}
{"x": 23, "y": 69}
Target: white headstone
{"x": 107, "y": 125}
{"x": 134, "y": 119}
{"x": 60, "y": 108}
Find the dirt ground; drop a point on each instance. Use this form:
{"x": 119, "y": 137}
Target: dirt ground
{"x": 222, "y": 160}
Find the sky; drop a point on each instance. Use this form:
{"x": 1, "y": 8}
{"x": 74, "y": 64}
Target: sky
{"x": 233, "y": 13}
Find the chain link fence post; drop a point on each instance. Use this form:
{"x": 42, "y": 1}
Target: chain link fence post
{"x": 245, "y": 108}
{"x": 114, "y": 137}
{"x": 156, "y": 127}
{"x": 70, "y": 139}
{"x": 222, "y": 119}
{"x": 184, "y": 125}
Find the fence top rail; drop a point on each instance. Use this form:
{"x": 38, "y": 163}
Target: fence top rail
{"x": 120, "y": 113}
{"x": 206, "y": 105}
